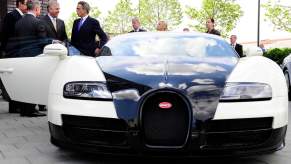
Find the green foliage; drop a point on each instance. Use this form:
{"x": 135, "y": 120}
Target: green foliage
{"x": 278, "y": 54}
{"x": 94, "y": 13}
{"x": 226, "y": 13}
{"x": 280, "y": 16}
{"x": 151, "y": 11}
{"x": 118, "y": 21}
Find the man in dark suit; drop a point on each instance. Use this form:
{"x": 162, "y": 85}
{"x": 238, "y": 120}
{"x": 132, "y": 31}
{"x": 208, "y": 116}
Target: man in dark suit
{"x": 85, "y": 30}
{"x": 10, "y": 20}
{"x": 29, "y": 25}
{"x": 136, "y": 26}
{"x": 30, "y": 29}
{"x": 238, "y": 47}
{"x": 8, "y": 32}
{"x": 55, "y": 27}
{"x": 30, "y": 32}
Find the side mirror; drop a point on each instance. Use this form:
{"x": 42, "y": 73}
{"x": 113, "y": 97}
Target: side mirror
{"x": 252, "y": 51}
{"x": 55, "y": 50}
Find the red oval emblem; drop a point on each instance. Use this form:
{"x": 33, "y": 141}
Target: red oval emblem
{"x": 165, "y": 105}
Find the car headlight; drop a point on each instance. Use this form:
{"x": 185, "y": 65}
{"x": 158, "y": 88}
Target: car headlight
{"x": 237, "y": 92}
{"x": 87, "y": 90}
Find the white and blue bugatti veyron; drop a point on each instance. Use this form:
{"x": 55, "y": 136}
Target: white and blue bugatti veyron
{"x": 185, "y": 94}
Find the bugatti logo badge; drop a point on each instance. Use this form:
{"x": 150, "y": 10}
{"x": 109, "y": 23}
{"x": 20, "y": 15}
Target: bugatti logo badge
{"x": 165, "y": 105}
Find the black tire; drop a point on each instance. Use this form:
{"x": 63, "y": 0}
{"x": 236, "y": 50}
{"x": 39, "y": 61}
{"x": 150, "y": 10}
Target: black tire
{"x": 13, "y": 107}
{"x": 287, "y": 77}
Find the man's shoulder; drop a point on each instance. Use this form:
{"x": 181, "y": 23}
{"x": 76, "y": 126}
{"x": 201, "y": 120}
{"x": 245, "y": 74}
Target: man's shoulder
{"x": 216, "y": 32}
{"x": 44, "y": 17}
{"x": 60, "y": 20}
{"x": 77, "y": 20}
{"x": 13, "y": 14}
{"x": 90, "y": 19}
{"x": 239, "y": 45}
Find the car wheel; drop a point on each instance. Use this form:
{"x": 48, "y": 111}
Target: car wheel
{"x": 13, "y": 107}
{"x": 286, "y": 74}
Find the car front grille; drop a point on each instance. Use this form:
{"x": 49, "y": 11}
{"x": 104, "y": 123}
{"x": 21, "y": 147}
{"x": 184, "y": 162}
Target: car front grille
{"x": 165, "y": 126}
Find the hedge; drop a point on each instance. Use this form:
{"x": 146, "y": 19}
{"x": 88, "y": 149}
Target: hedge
{"x": 277, "y": 54}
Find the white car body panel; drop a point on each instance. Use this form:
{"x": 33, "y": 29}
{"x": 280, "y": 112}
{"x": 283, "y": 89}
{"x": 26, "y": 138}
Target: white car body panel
{"x": 262, "y": 70}
{"x": 59, "y": 105}
{"x": 75, "y": 68}
{"x": 27, "y": 79}
{"x": 276, "y": 108}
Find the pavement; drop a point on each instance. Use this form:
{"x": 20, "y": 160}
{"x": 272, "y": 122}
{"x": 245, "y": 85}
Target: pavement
{"x": 25, "y": 140}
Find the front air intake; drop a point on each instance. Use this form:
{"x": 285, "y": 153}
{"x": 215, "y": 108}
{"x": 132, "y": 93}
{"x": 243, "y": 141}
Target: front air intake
{"x": 165, "y": 119}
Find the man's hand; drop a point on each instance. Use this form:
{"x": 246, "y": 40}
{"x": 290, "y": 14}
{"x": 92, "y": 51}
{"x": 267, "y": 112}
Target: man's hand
{"x": 97, "y": 51}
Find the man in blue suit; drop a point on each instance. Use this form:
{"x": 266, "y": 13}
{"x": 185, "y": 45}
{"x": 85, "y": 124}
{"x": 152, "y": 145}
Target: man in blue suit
{"x": 85, "y": 30}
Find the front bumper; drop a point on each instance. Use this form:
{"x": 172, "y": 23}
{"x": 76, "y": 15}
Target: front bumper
{"x": 112, "y": 136}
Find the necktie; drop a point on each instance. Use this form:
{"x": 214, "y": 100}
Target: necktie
{"x": 55, "y": 23}
{"x": 80, "y": 24}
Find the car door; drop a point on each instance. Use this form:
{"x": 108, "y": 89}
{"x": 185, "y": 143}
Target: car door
{"x": 27, "y": 79}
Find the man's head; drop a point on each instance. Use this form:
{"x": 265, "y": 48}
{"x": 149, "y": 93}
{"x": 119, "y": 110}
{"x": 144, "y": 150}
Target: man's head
{"x": 186, "y": 29}
{"x": 53, "y": 8}
{"x": 210, "y": 23}
{"x": 83, "y": 8}
{"x": 21, "y": 5}
{"x": 135, "y": 23}
{"x": 233, "y": 39}
{"x": 34, "y": 7}
{"x": 162, "y": 26}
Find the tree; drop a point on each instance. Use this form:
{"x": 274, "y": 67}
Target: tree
{"x": 118, "y": 21}
{"x": 226, "y": 13}
{"x": 94, "y": 12}
{"x": 151, "y": 11}
{"x": 280, "y": 16}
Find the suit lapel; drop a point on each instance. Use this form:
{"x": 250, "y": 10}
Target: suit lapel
{"x": 17, "y": 14}
{"x": 48, "y": 19}
{"x": 84, "y": 23}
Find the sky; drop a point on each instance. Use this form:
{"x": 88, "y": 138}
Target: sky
{"x": 246, "y": 28}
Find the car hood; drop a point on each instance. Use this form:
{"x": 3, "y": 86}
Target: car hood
{"x": 200, "y": 79}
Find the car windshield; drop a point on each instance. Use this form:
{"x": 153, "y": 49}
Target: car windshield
{"x": 172, "y": 45}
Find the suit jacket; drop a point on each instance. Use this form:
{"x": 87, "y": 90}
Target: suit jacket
{"x": 239, "y": 49}
{"x": 85, "y": 38}
{"x": 30, "y": 26}
{"x": 139, "y": 30}
{"x": 8, "y": 28}
{"x": 60, "y": 34}
{"x": 30, "y": 37}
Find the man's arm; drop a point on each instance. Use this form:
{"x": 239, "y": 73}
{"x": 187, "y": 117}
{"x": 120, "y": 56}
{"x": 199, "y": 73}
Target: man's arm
{"x": 101, "y": 34}
{"x": 64, "y": 33}
{"x": 240, "y": 50}
{"x": 6, "y": 28}
{"x": 41, "y": 29}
